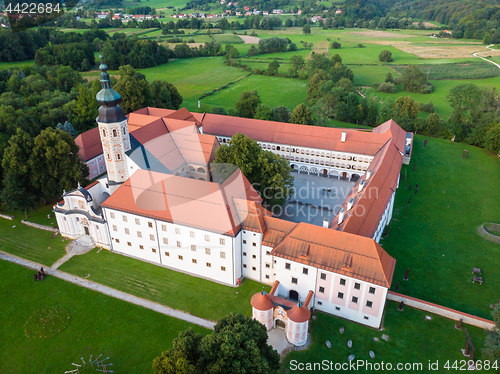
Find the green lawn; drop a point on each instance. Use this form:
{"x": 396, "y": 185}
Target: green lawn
{"x": 273, "y": 91}
{"x": 412, "y": 339}
{"x": 194, "y": 76}
{"x": 15, "y": 64}
{"x": 130, "y": 335}
{"x": 180, "y": 291}
{"x": 438, "y": 240}
{"x": 30, "y": 243}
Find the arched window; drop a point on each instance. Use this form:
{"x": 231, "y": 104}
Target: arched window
{"x": 123, "y": 130}
{"x": 278, "y": 148}
{"x": 118, "y": 157}
{"x": 114, "y": 133}
{"x": 108, "y": 156}
{"x": 104, "y": 133}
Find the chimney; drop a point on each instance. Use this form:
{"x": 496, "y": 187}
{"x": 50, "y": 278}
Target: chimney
{"x": 341, "y": 215}
{"x": 344, "y": 134}
{"x": 361, "y": 185}
{"x": 325, "y": 222}
{"x": 368, "y": 174}
{"x": 349, "y": 204}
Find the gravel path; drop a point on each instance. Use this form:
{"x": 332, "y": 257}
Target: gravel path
{"x": 110, "y": 291}
{"x": 485, "y": 59}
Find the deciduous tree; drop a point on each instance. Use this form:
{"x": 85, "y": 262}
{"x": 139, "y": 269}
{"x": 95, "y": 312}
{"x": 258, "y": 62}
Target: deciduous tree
{"x": 301, "y": 115}
{"x": 247, "y": 104}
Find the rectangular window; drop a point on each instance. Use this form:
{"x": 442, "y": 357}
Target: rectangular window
{"x": 141, "y": 246}
{"x": 193, "y": 247}
{"x": 372, "y": 290}
{"x": 223, "y": 268}
{"x": 150, "y": 225}
{"x": 244, "y": 241}
{"x": 194, "y": 261}
{"x": 295, "y": 280}
{"x": 209, "y": 265}
{"x": 322, "y": 289}
{"x": 254, "y": 256}
{"x": 254, "y": 268}
{"x": 244, "y": 266}
{"x": 137, "y": 221}
{"x": 340, "y": 295}
{"x": 139, "y": 234}
{"x": 222, "y": 241}
{"x": 167, "y": 254}
{"x": 337, "y": 308}
{"x": 164, "y": 227}
{"x": 287, "y": 266}
{"x": 354, "y": 300}
{"x": 268, "y": 266}
{"x": 179, "y": 244}
{"x": 357, "y": 286}
{"x": 180, "y": 257}
{"x": 112, "y": 215}
{"x": 366, "y": 317}
{"x": 127, "y": 231}
{"x": 268, "y": 253}
{"x": 129, "y": 244}
{"x": 254, "y": 244}
{"x": 191, "y": 234}
{"x": 207, "y": 251}
{"x": 369, "y": 304}
{"x": 305, "y": 271}
{"x": 323, "y": 276}
{"x": 207, "y": 238}
{"x": 114, "y": 227}
{"x": 267, "y": 276}
{"x": 223, "y": 255}
{"x": 165, "y": 241}
{"x": 124, "y": 218}
{"x": 117, "y": 240}
{"x": 153, "y": 250}
{"x": 152, "y": 237}
{"x": 320, "y": 303}
{"x": 244, "y": 254}
{"x": 342, "y": 281}
{"x": 177, "y": 231}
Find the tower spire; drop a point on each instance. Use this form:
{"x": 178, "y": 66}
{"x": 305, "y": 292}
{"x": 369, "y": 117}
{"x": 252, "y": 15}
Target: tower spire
{"x": 108, "y": 99}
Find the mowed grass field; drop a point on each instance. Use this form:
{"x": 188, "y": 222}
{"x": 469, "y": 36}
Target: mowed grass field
{"x": 412, "y": 340}
{"x": 200, "y": 297}
{"x": 131, "y": 336}
{"x": 438, "y": 240}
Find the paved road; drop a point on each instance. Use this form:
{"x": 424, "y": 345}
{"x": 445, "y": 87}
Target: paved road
{"x": 485, "y": 59}
{"x": 111, "y": 292}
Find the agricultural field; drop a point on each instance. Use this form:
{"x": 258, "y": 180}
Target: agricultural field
{"x": 131, "y": 336}
{"x": 476, "y": 69}
{"x": 411, "y": 339}
{"x": 436, "y": 234}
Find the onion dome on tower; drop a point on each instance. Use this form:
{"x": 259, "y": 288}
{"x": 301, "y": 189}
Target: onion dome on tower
{"x": 108, "y": 99}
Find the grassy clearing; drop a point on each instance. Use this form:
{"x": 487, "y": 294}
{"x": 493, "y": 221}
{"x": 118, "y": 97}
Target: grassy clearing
{"x": 16, "y": 64}
{"x": 412, "y": 339}
{"x": 273, "y": 91}
{"x": 180, "y": 291}
{"x": 228, "y": 38}
{"x": 195, "y": 76}
{"x": 438, "y": 241}
{"x": 130, "y": 335}
{"x": 30, "y": 243}
{"x": 472, "y": 70}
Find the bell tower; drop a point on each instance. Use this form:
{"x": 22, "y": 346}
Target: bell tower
{"x": 113, "y": 130}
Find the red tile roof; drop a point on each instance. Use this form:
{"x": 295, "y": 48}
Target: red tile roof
{"x": 359, "y": 142}
{"x": 276, "y": 231}
{"x": 261, "y": 301}
{"x": 397, "y": 134}
{"x": 299, "y": 314}
{"x": 90, "y": 144}
{"x": 195, "y": 203}
{"x": 370, "y": 203}
{"x": 251, "y": 215}
{"x": 340, "y": 252}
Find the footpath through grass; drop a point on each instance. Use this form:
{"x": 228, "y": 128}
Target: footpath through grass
{"x": 130, "y": 335}
{"x": 200, "y": 297}
{"x": 438, "y": 240}
{"x": 412, "y": 339}
{"x": 31, "y": 243}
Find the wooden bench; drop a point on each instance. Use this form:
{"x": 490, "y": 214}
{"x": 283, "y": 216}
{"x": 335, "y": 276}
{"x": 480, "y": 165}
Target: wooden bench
{"x": 475, "y": 278}
{"x": 476, "y": 271}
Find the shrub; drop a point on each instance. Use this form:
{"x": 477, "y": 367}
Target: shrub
{"x": 385, "y": 56}
{"x": 253, "y": 33}
{"x": 428, "y": 108}
{"x": 376, "y": 85}
{"x": 426, "y": 88}
{"x": 360, "y": 45}
{"x": 336, "y": 45}
{"x": 258, "y": 71}
{"x": 387, "y": 87}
